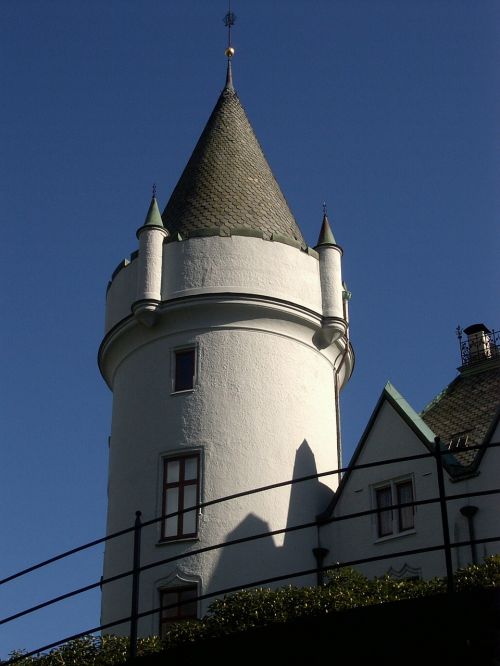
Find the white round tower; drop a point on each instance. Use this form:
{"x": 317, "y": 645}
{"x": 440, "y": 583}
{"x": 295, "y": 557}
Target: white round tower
{"x": 225, "y": 381}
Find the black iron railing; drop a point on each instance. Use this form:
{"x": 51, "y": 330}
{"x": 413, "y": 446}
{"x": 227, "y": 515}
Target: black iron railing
{"x": 446, "y": 546}
{"x": 480, "y": 346}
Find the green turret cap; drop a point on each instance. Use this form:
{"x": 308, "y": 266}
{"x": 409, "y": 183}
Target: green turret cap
{"x": 153, "y": 218}
{"x": 326, "y": 235}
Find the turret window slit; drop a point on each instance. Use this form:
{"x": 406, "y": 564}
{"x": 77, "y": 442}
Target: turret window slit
{"x": 184, "y": 369}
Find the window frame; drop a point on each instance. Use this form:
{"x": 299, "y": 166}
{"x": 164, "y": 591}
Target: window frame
{"x": 180, "y": 616}
{"x": 401, "y": 500}
{"x": 174, "y": 365}
{"x": 382, "y": 514}
{"x": 398, "y": 516}
{"x": 181, "y": 484}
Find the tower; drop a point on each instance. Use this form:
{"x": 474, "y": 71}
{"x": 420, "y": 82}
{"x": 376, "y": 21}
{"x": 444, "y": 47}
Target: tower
{"x": 225, "y": 348}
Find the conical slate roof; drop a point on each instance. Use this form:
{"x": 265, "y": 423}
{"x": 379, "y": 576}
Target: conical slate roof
{"x": 326, "y": 236}
{"x": 227, "y": 183}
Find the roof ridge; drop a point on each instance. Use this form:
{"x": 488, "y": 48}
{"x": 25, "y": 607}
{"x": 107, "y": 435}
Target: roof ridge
{"x": 439, "y": 396}
{"x": 408, "y": 411}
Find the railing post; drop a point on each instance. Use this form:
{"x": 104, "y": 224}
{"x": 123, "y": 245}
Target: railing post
{"x": 135, "y": 585}
{"x": 444, "y": 516}
{"x": 469, "y": 512}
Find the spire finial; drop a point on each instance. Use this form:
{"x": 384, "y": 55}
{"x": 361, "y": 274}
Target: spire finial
{"x": 154, "y": 190}
{"x": 229, "y": 76}
{"x": 229, "y": 20}
{"x": 325, "y": 211}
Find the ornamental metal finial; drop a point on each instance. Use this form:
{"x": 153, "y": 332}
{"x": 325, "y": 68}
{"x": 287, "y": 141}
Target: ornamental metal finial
{"x": 154, "y": 190}
{"x": 229, "y": 20}
{"x": 325, "y": 211}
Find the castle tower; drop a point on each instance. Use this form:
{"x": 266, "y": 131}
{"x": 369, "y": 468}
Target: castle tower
{"x": 225, "y": 349}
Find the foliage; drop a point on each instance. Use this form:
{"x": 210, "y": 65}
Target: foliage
{"x": 91, "y": 651}
{"x": 345, "y": 588}
{"x": 476, "y": 576}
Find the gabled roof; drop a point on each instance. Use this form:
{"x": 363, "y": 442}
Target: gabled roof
{"x": 409, "y": 416}
{"x": 469, "y": 405}
{"x": 227, "y": 183}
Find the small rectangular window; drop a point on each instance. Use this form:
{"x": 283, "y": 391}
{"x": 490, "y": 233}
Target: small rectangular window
{"x": 401, "y": 519}
{"x": 177, "y": 604}
{"x": 181, "y": 490}
{"x": 384, "y": 516}
{"x": 184, "y": 371}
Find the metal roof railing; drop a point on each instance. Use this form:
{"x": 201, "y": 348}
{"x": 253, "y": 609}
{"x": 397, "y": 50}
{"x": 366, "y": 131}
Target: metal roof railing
{"x": 137, "y": 567}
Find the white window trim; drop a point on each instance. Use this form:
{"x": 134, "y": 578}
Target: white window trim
{"x": 405, "y": 572}
{"x": 396, "y": 534}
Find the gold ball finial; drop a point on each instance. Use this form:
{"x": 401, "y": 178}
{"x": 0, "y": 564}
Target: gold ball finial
{"x": 229, "y": 52}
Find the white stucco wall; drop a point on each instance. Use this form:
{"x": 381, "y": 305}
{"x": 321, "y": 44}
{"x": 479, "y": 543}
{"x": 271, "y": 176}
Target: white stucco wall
{"x": 487, "y": 518}
{"x": 122, "y": 292}
{"x": 241, "y": 264}
{"x": 150, "y": 263}
{"x": 354, "y": 539}
{"x": 331, "y": 280}
{"x": 218, "y": 264}
{"x": 262, "y": 411}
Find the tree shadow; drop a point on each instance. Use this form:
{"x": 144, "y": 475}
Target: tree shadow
{"x": 262, "y": 558}
{"x": 307, "y": 498}
{"x": 242, "y": 563}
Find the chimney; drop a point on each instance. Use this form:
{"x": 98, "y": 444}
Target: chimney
{"x": 479, "y": 342}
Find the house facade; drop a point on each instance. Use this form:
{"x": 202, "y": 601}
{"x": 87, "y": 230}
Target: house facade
{"x": 462, "y": 423}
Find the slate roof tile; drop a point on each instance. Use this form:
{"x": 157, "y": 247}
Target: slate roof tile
{"x": 227, "y": 181}
{"x": 463, "y": 413}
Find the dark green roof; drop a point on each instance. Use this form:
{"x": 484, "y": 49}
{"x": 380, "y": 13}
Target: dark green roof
{"x": 153, "y": 218}
{"x": 326, "y": 236}
{"x": 227, "y": 182}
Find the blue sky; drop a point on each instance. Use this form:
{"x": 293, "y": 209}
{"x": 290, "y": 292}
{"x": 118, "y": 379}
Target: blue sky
{"x": 386, "y": 109}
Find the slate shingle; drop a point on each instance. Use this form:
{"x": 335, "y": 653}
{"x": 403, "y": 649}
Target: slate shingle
{"x": 227, "y": 182}
{"x": 466, "y": 408}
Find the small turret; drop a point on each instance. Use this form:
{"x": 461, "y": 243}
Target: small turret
{"x": 151, "y": 236}
{"x": 334, "y": 324}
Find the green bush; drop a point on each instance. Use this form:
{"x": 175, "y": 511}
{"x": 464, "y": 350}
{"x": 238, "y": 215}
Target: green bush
{"x": 345, "y": 588}
{"x": 477, "y": 576}
{"x": 92, "y": 651}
